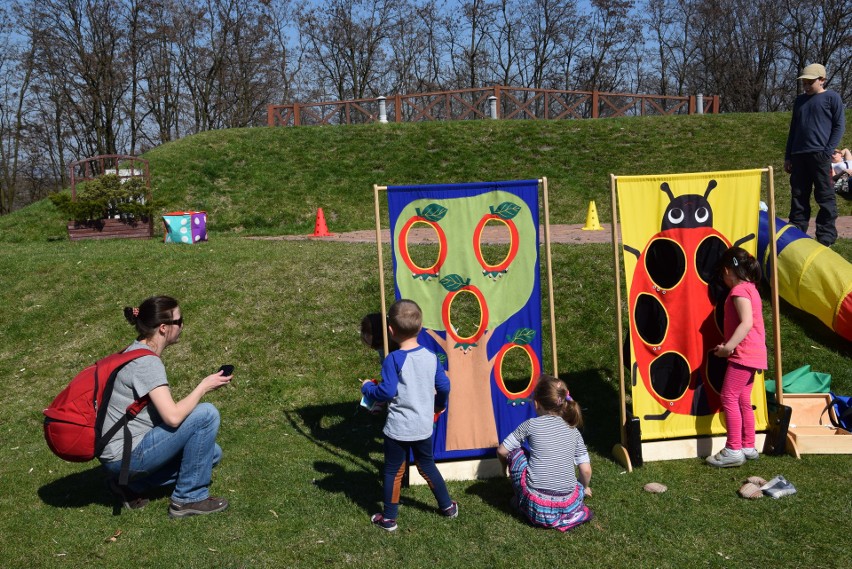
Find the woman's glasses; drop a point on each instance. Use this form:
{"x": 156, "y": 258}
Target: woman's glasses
{"x": 178, "y": 322}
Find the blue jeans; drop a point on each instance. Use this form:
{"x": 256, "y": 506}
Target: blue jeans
{"x": 183, "y": 456}
{"x": 396, "y": 453}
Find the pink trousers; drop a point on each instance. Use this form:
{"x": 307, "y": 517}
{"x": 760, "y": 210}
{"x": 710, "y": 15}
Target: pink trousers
{"x": 736, "y": 403}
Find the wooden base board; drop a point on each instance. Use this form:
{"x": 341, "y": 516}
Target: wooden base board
{"x": 699, "y": 447}
{"x": 462, "y": 470}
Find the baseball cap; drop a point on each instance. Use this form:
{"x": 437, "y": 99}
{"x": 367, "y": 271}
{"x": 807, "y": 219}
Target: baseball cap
{"x": 812, "y": 71}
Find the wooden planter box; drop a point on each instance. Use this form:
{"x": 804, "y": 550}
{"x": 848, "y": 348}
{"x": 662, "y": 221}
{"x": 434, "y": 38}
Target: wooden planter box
{"x": 111, "y": 229}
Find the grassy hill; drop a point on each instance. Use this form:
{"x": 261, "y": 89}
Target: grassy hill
{"x": 263, "y": 181}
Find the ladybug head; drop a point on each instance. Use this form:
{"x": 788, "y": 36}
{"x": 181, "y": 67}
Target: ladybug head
{"x": 689, "y": 210}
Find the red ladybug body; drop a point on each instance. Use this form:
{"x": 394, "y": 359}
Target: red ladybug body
{"x": 676, "y": 323}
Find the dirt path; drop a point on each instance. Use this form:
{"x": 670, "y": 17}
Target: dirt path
{"x": 571, "y": 234}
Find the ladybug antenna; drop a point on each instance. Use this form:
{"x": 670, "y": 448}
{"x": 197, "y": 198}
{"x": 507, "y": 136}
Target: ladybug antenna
{"x": 710, "y": 185}
{"x": 665, "y": 187}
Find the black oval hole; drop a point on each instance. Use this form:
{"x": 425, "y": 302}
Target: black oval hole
{"x": 650, "y": 318}
{"x": 670, "y": 375}
{"x": 707, "y": 257}
{"x": 665, "y": 262}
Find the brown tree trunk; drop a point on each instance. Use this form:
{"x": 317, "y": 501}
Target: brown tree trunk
{"x": 470, "y": 415}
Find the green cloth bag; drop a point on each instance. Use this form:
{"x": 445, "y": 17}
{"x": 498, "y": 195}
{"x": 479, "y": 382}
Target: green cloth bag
{"x": 802, "y": 380}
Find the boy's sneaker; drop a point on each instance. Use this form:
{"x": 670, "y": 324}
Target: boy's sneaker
{"x": 207, "y": 506}
{"x": 751, "y": 453}
{"x": 384, "y": 523}
{"x": 727, "y": 458}
{"x": 451, "y": 511}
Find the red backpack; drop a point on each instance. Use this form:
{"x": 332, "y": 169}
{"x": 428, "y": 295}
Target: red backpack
{"x": 74, "y": 421}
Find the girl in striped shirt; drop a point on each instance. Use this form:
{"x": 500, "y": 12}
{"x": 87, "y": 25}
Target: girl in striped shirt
{"x": 548, "y": 491}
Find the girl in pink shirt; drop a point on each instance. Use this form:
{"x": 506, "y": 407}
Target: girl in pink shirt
{"x": 745, "y": 349}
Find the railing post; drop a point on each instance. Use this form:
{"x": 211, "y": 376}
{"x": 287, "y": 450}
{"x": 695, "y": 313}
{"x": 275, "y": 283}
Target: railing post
{"x": 397, "y": 107}
{"x": 270, "y": 121}
{"x": 699, "y": 104}
{"x": 594, "y": 104}
{"x": 383, "y": 110}
{"x": 717, "y": 99}
{"x": 492, "y": 107}
{"x": 296, "y": 117}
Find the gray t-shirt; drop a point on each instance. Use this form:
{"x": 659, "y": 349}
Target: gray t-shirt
{"x": 135, "y": 380}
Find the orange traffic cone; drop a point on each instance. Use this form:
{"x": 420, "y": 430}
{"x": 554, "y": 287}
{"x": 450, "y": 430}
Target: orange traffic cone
{"x": 320, "y": 228}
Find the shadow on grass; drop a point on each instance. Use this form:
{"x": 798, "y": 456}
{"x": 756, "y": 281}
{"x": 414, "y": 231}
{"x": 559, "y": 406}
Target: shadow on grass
{"x": 77, "y": 490}
{"x": 353, "y": 439}
{"x": 599, "y": 400}
{"x": 86, "y": 488}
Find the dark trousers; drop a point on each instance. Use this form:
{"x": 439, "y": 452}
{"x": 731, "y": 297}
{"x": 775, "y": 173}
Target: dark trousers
{"x": 812, "y": 171}
{"x": 396, "y": 453}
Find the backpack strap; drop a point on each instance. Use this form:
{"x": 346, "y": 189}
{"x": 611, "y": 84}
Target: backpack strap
{"x": 129, "y": 414}
{"x": 840, "y": 421}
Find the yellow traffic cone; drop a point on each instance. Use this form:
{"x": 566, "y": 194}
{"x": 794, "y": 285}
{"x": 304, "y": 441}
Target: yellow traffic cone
{"x": 592, "y": 223}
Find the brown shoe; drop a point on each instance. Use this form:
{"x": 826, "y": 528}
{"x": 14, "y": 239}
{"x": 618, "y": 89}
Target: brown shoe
{"x": 129, "y": 499}
{"x": 207, "y": 506}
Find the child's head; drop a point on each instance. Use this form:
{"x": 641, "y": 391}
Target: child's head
{"x": 739, "y": 263}
{"x": 405, "y": 319}
{"x": 551, "y": 396}
{"x": 371, "y": 333}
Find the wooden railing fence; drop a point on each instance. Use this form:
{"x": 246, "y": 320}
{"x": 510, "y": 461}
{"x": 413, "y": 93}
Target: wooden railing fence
{"x": 492, "y": 102}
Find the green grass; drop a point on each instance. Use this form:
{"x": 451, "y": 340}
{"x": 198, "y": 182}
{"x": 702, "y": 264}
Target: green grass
{"x": 301, "y": 464}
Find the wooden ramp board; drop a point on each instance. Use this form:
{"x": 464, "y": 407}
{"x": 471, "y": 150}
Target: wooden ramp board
{"x": 699, "y": 447}
{"x": 806, "y": 435}
{"x": 461, "y": 470}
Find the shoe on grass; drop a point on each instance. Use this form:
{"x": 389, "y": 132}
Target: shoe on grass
{"x": 129, "y": 499}
{"x": 751, "y": 453}
{"x": 383, "y": 522}
{"x": 727, "y": 458}
{"x": 209, "y": 505}
{"x": 451, "y": 511}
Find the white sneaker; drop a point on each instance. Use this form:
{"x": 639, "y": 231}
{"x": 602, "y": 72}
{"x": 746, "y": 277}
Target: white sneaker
{"x": 751, "y": 453}
{"x": 726, "y": 458}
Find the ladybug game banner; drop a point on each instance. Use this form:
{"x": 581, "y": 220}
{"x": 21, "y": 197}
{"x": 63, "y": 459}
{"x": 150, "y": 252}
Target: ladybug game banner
{"x": 505, "y": 293}
{"x": 674, "y": 229}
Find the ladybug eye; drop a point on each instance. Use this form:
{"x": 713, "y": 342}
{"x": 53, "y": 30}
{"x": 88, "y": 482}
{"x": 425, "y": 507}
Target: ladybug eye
{"x": 675, "y": 216}
{"x": 702, "y": 214}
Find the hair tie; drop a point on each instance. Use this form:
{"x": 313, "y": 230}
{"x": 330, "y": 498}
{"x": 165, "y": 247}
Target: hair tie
{"x": 135, "y": 311}
{"x": 568, "y": 397}
{"x": 736, "y": 263}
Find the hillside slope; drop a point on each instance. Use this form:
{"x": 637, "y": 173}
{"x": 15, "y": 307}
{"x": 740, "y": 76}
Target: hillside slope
{"x": 263, "y": 181}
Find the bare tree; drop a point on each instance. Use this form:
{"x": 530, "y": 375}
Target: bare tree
{"x": 345, "y": 45}
{"x": 740, "y": 46}
{"x": 611, "y": 36}
{"x": 469, "y": 27}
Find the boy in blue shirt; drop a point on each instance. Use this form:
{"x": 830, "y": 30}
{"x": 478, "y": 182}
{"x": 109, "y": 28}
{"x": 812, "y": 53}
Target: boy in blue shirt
{"x": 416, "y": 387}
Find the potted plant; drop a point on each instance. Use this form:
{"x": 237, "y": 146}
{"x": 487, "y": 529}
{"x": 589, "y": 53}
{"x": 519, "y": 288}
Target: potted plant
{"x": 108, "y": 206}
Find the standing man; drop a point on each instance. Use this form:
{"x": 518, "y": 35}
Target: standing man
{"x": 815, "y": 131}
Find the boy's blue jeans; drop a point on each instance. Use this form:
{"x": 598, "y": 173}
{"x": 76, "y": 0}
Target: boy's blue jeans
{"x": 396, "y": 453}
{"x": 184, "y": 455}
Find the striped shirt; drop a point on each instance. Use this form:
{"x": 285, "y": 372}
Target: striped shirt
{"x": 555, "y": 449}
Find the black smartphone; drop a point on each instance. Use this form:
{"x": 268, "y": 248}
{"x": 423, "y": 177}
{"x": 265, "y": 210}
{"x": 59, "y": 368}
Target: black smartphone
{"x": 227, "y": 370}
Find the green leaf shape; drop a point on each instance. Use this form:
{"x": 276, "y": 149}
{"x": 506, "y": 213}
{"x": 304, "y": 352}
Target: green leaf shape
{"x": 521, "y": 337}
{"x": 506, "y": 210}
{"x": 454, "y": 282}
{"x": 432, "y": 212}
